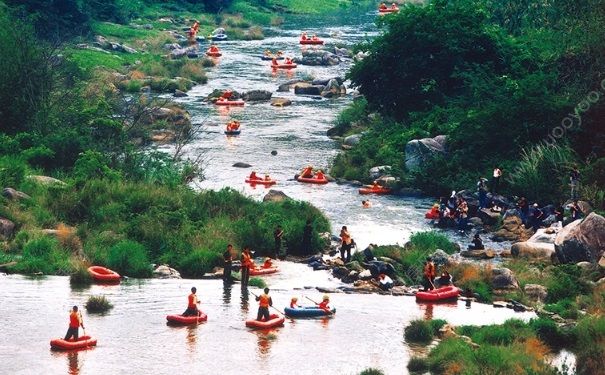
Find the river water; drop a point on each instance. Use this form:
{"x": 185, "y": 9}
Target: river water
{"x": 133, "y": 337}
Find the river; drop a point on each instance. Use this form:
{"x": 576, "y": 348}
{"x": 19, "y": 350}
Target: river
{"x": 133, "y": 337}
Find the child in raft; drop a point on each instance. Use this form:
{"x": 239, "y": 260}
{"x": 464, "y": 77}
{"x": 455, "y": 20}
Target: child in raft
{"x": 294, "y": 303}
{"x": 264, "y": 301}
{"x": 325, "y": 303}
{"x": 192, "y": 303}
{"x": 268, "y": 263}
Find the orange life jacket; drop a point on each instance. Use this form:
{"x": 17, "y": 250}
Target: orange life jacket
{"x": 324, "y": 305}
{"x": 429, "y": 270}
{"x": 192, "y": 300}
{"x": 74, "y": 320}
{"x": 263, "y": 300}
{"x": 247, "y": 260}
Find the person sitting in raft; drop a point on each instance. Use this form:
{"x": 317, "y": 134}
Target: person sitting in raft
{"x": 264, "y": 301}
{"x": 288, "y": 61}
{"x": 385, "y": 282}
{"x": 320, "y": 175}
{"x": 307, "y": 172}
{"x": 393, "y": 6}
{"x": 214, "y": 49}
{"x": 234, "y": 125}
{"x": 314, "y": 37}
{"x": 279, "y": 53}
{"x": 75, "y": 322}
{"x": 274, "y": 62}
{"x": 228, "y": 93}
{"x": 268, "y": 263}
{"x": 253, "y": 176}
{"x": 267, "y": 177}
{"x": 477, "y": 243}
{"x": 445, "y": 278}
{"x": 366, "y": 204}
{"x": 303, "y": 36}
{"x": 267, "y": 53}
{"x": 294, "y": 303}
{"x": 192, "y": 303}
{"x": 325, "y": 303}
{"x": 376, "y": 186}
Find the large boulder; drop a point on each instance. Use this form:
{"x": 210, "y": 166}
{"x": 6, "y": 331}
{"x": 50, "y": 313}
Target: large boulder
{"x": 281, "y": 102}
{"x": 45, "y": 180}
{"x": 352, "y": 140}
{"x": 419, "y": 151}
{"x": 240, "y": 164}
{"x": 333, "y": 88}
{"x": 7, "y": 228}
{"x": 13, "y": 194}
{"x": 165, "y": 272}
{"x": 257, "y": 96}
{"x": 532, "y": 250}
{"x": 488, "y": 217}
{"x": 275, "y": 196}
{"x": 307, "y": 89}
{"x": 503, "y": 278}
{"x": 535, "y": 292}
{"x": 512, "y": 230}
{"x": 544, "y": 235}
{"x": 317, "y": 58}
{"x": 582, "y": 240}
{"x": 377, "y": 172}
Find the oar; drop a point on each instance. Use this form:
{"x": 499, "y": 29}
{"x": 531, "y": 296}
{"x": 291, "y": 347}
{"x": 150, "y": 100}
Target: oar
{"x": 273, "y": 307}
{"x": 82, "y": 323}
{"x": 328, "y": 311}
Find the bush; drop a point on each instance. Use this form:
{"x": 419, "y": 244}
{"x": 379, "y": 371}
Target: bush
{"x": 79, "y": 275}
{"x": 12, "y": 171}
{"x": 199, "y": 262}
{"x": 129, "y": 258}
{"x": 549, "y": 332}
{"x": 98, "y": 304}
{"x": 43, "y": 255}
{"x": 431, "y": 241}
{"x": 257, "y": 282}
{"x": 418, "y": 364}
{"x": 371, "y": 371}
{"x": 418, "y": 332}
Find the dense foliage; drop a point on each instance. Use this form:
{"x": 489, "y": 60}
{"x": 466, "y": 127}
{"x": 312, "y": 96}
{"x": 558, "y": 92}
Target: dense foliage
{"x": 498, "y": 79}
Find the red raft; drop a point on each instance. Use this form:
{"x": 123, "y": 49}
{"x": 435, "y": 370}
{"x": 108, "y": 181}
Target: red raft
{"x": 213, "y": 54}
{"x": 263, "y": 271}
{"x": 284, "y": 66}
{"x": 311, "y": 41}
{"x": 104, "y": 275}
{"x": 230, "y": 102}
{"x": 83, "y": 342}
{"x": 389, "y": 10}
{"x": 260, "y": 181}
{"x": 312, "y": 180}
{"x": 442, "y": 294}
{"x": 274, "y": 321}
{"x": 186, "y": 320}
{"x": 373, "y": 190}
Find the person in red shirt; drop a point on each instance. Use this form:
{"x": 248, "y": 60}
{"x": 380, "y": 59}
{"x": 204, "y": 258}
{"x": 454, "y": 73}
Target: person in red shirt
{"x": 325, "y": 303}
{"x": 268, "y": 263}
{"x": 303, "y": 36}
{"x": 247, "y": 265}
{"x": 253, "y": 176}
{"x": 307, "y": 172}
{"x": 228, "y": 93}
{"x": 192, "y": 303}
{"x": 274, "y": 62}
{"x": 320, "y": 175}
{"x": 75, "y": 322}
{"x": 294, "y": 303}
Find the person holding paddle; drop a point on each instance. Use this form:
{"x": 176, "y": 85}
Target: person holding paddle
{"x": 192, "y": 303}
{"x": 429, "y": 274}
{"x": 264, "y": 301}
{"x": 325, "y": 303}
{"x": 75, "y": 322}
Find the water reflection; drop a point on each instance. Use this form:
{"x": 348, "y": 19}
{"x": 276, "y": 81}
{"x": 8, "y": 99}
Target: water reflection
{"x": 264, "y": 341}
{"x": 191, "y": 338}
{"x": 73, "y": 364}
{"x": 227, "y": 286}
{"x": 244, "y": 300}
{"x": 428, "y": 311}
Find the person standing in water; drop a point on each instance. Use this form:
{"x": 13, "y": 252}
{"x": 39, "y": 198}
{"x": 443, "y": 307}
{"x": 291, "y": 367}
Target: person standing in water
{"x": 246, "y": 264}
{"x": 75, "y": 322}
{"x": 264, "y": 301}
{"x": 228, "y": 262}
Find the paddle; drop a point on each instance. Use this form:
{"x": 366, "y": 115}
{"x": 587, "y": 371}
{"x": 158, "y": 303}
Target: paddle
{"x": 328, "y": 311}
{"x": 274, "y": 308}
{"x": 82, "y": 322}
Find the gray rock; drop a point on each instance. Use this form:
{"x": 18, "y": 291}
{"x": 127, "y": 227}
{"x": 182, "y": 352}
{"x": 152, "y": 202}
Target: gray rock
{"x": 257, "y": 95}
{"x": 275, "y": 196}
{"x": 13, "y": 194}
{"x": 532, "y": 250}
{"x": 488, "y": 217}
{"x": 379, "y": 171}
{"x": 342, "y": 52}
{"x": 45, "y": 180}
{"x": 328, "y": 290}
{"x": 585, "y": 266}
{"x": 601, "y": 281}
{"x": 317, "y": 58}
{"x": 479, "y": 254}
{"x": 241, "y": 165}
{"x": 355, "y": 266}
{"x": 325, "y": 81}
{"x": 582, "y": 240}
{"x": 307, "y": 89}
{"x": 544, "y": 235}
{"x": 535, "y": 292}
{"x": 179, "y": 94}
{"x": 340, "y": 271}
{"x": 503, "y": 278}
{"x": 440, "y": 257}
{"x": 352, "y": 140}
{"x": 165, "y": 272}
{"x": 7, "y": 228}
{"x": 419, "y": 151}
{"x": 284, "y": 87}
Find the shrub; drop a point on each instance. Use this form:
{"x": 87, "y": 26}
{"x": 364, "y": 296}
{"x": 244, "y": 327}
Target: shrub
{"x": 43, "y": 255}
{"x": 98, "y": 304}
{"x": 549, "y": 332}
{"x": 371, "y": 371}
{"x": 431, "y": 241}
{"x": 199, "y": 262}
{"x": 257, "y": 282}
{"x": 419, "y": 332}
{"x": 12, "y": 171}
{"x": 418, "y": 364}
{"x": 79, "y": 275}
{"x": 129, "y": 258}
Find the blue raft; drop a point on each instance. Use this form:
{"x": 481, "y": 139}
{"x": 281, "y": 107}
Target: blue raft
{"x": 307, "y": 312}
{"x": 233, "y": 132}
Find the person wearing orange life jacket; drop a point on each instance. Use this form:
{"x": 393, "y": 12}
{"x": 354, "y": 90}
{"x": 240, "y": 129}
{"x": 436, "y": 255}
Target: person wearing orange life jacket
{"x": 75, "y": 322}
{"x": 376, "y": 186}
{"x": 196, "y": 26}
{"x": 288, "y": 61}
{"x": 303, "y": 36}
{"x": 268, "y": 263}
{"x": 228, "y": 93}
{"x": 213, "y": 48}
{"x": 264, "y": 301}
{"x": 366, "y": 204}
{"x": 429, "y": 274}
{"x": 274, "y": 62}
{"x": 307, "y": 172}
{"x": 267, "y": 177}
{"x": 325, "y": 303}
{"x": 382, "y": 6}
{"x": 314, "y": 37}
{"x": 247, "y": 265}
{"x": 320, "y": 175}
{"x": 253, "y": 176}
{"x": 294, "y": 303}
{"x": 192, "y": 303}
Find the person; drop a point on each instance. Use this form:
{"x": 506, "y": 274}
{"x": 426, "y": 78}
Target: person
{"x": 433, "y": 213}
{"x": 462, "y": 215}
{"x": 235, "y": 125}
{"x": 228, "y": 262}
{"x": 268, "y": 53}
{"x": 75, "y": 322}
{"x": 451, "y": 202}
{"x": 320, "y": 175}
{"x": 482, "y": 190}
{"x": 277, "y": 236}
{"x": 523, "y": 207}
{"x": 307, "y": 236}
{"x": 366, "y": 204}
{"x": 476, "y": 243}
{"x": 537, "y": 217}
{"x": 574, "y": 181}
{"x": 325, "y": 303}
{"x": 575, "y": 211}
{"x": 303, "y": 36}
{"x": 442, "y": 207}
{"x": 345, "y": 246}
{"x": 228, "y": 93}
{"x": 307, "y": 172}
{"x": 496, "y": 180}
{"x": 192, "y": 303}
{"x": 445, "y": 278}
{"x": 196, "y": 26}
{"x": 314, "y": 37}
{"x": 253, "y": 176}
{"x": 294, "y": 303}
{"x": 382, "y": 6}
{"x": 385, "y": 282}
{"x": 213, "y": 48}
{"x": 560, "y": 215}
{"x": 368, "y": 255}
{"x": 274, "y": 62}
{"x": 375, "y": 185}
{"x": 429, "y": 274}
{"x": 264, "y": 301}
{"x": 288, "y": 61}
{"x": 393, "y": 6}
{"x": 268, "y": 263}
{"x": 267, "y": 177}
{"x": 247, "y": 264}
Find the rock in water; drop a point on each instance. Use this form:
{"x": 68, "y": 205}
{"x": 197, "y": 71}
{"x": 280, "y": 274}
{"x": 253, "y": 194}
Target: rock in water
{"x": 241, "y": 165}
{"x": 165, "y": 272}
{"x": 275, "y": 196}
{"x": 582, "y": 240}
{"x": 307, "y": 89}
{"x": 257, "y": 96}
{"x": 281, "y": 102}
{"x": 352, "y": 140}
{"x": 419, "y": 151}
{"x": 273, "y": 152}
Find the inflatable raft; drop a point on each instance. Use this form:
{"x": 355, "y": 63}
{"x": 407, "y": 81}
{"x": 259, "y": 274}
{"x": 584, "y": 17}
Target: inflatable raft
{"x": 263, "y": 271}
{"x": 261, "y": 181}
{"x": 284, "y": 66}
{"x": 186, "y": 320}
{"x": 219, "y": 37}
{"x": 213, "y": 54}
{"x": 307, "y": 312}
{"x": 311, "y": 41}
{"x": 269, "y": 58}
{"x": 230, "y": 102}
{"x": 444, "y": 293}
{"x": 71, "y": 344}
{"x": 104, "y": 275}
{"x": 233, "y": 132}
{"x": 373, "y": 190}
{"x": 389, "y": 10}
{"x": 432, "y": 214}
{"x": 312, "y": 180}
{"x": 274, "y": 321}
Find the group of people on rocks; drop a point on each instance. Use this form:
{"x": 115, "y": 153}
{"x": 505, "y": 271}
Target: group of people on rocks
{"x": 452, "y": 209}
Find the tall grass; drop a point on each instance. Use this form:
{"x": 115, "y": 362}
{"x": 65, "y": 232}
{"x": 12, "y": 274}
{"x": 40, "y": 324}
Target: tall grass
{"x": 98, "y": 304}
